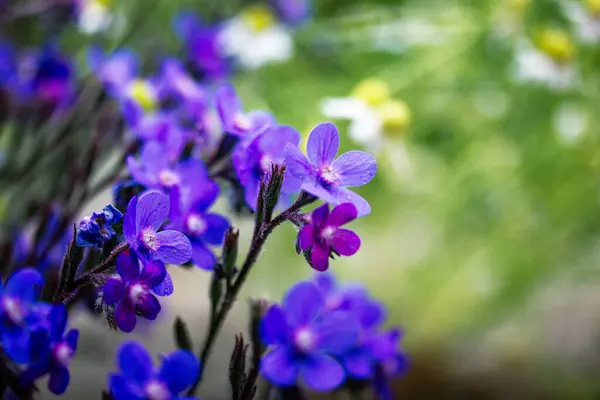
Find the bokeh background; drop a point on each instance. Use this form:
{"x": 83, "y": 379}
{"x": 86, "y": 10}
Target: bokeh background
{"x": 484, "y": 237}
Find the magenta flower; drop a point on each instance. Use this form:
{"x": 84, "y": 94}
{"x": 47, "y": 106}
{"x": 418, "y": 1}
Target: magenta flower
{"x": 132, "y": 291}
{"x": 235, "y": 120}
{"x": 143, "y": 219}
{"x": 323, "y": 235}
{"x": 326, "y": 176}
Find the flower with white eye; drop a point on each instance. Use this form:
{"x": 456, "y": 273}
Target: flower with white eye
{"x": 585, "y": 17}
{"x": 255, "y": 38}
{"x": 94, "y": 16}
{"x": 548, "y": 62}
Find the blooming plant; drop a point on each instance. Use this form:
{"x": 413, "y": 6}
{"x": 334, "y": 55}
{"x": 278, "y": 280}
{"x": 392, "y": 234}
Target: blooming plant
{"x": 173, "y": 166}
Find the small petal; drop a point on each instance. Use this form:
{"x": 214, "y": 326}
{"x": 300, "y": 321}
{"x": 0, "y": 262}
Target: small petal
{"x": 152, "y": 210}
{"x": 15, "y": 342}
{"x": 322, "y": 373}
{"x": 297, "y": 163}
{"x": 275, "y": 138}
{"x": 25, "y": 284}
{"x": 204, "y": 196}
{"x": 372, "y": 315}
{"x": 128, "y": 265}
{"x": 305, "y": 237}
{"x": 362, "y": 206}
{"x": 325, "y": 282}
{"x": 329, "y": 195}
{"x": 273, "y": 326}
{"x": 338, "y": 331}
{"x": 113, "y": 291}
{"x": 120, "y": 388}
{"x": 202, "y": 257}
{"x": 129, "y": 223}
{"x": 72, "y": 339}
{"x": 355, "y": 168}
{"x": 153, "y": 273}
{"x": 342, "y": 214}
{"x": 134, "y": 362}
{"x": 58, "y": 322}
{"x": 174, "y": 247}
{"x": 125, "y": 315}
{"x": 165, "y": 288}
{"x": 319, "y": 258}
{"x": 149, "y": 306}
{"x": 323, "y": 144}
{"x": 179, "y": 370}
{"x": 345, "y": 242}
{"x": 302, "y": 303}
{"x": 320, "y": 214}
{"x": 217, "y": 225}
{"x": 59, "y": 380}
{"x": 358, "y": 363}
{"x": 279, "y": 366}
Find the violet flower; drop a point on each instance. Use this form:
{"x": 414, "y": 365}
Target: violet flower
{"x": 52, "y": 81}
{"x": 235, "y": 121}
{"x": 176, "y": 81}
{"x": 189, "y": 214}
{"x": 323, "y": 235}
{"x": 327, "y": 177}
{"x": 17, "y": 298}
{"x": 293, "y": 12}
{"x": 132, "y": 291}
{"x": 52, "y": 351}
{"x": 253, "y": 160}
{"x": 96, "y": 230}
{"x": 162, "y": 129}
{"x": 137, "y": 378}
{"x": 303, "y": 336}
{"x": 143, "y": 219}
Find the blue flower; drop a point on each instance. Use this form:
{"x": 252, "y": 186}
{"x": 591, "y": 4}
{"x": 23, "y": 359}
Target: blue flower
{"x": 233, "y": 117}
{"x": 137, "y": 378}
{"x": 293, "y": 12}
{"x": 96, "y": 230}
{"x": 304, "y": 336}
{"x": 52, "y": 351}
{"x": 16, "y": 301}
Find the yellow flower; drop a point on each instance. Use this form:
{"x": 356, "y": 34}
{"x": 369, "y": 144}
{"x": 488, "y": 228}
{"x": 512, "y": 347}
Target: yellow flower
{"x": 258, "y": 18}
{"x": 144, "y": 94}
{"x": 593, "y": 6}
{"x": 372, "y": 91}
{"x": 395, "y": 116}
{"x": 557, "y": 44}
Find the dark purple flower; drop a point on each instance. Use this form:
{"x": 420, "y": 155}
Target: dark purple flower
{"x": 52, "y": 351}
{"x": 327, "y": 177}
{"x": 253, "y": 160}
{"x": 190, "y": 215}
{"x": 304, "y": 336}
{"x": 96, "y": 230}
{"x": 53, "y": 79}
{"x": 143, "y": 219}
{"x": 323, "y": 235}
{"x": 155, "y": 171}
{"x": 137, "y": 378}
{"x": 132, "y": 292}
{"x": 16, "y": 301}
{"x": 293, "y": 12}
{"x": 235, "y": 121}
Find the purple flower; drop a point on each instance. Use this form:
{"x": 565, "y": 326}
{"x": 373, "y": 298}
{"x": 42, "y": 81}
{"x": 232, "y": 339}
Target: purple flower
{"x": 176, "y": 81}
{"x": 164, "y": 130}
{"x": 137, "y": 378}
{"x": 293, "y": 12}
{"x": 16, "y": 301}
{"x": 323, "y": 235}
{"x": 327, "y": 177}
{"x": 155, "y": 171}
{"x": 189, "y": 214}
{"x": 143, "y": 219}
{"x": 253, "y": 160}
{"x": 52, "y": 351}
{"x": 304, "y": 336}
{"x": 132, "y": 292}
{"x": 96, "y": 230}
{"x": 52, "y": 80}
{"x": 235, "y": 121}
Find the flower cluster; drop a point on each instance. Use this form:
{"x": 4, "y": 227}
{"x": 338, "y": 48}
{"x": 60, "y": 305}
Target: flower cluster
{"x": 97, "y": 229}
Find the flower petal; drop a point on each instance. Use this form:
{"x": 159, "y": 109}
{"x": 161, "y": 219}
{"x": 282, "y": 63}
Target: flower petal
{"x": 362, "y": 206}
{"x": 279, "y": 366}
{"x": 323, "y": 144}
{"x": 342, "y": 214}
{"x": 59, "y": 380}
{"x": 129, "y": 223}
{"x": 165, "y": 288}
{"x": 58, "y": 321}
{"x": 25, "y": 284}
{"x": 328, "y": 195}
{"x": 372, "y": 314}
{"x": 113, "y": 291}
{"x": 15, "y": 342}
{"x": 72, "y": 339}
{"x": 297, "y": 163}
{"x": 319, "y": 258}
{"x": 149, "y": 306}
{"x": 179, "y": 370}
{"x": 121, "y": 388}
{"x": 305, "y": 237}
{"x": 216, "y": 226}
{"x": 322, "y": 373}
{"x": 319, "y": 215}
{"x": 173, "y": 247}
{"x": 345, "y": 242}
{"x": 204, "y": 196}
{"x": 135, "y": 362}
{"x": 355, "y": 168}
{"x": 153, "y": 273}
{"x": 202, "y": 257}
{"x": 302, "y": 303}
{"x": 358, "y": 363}
{"x": 325, "y": 282}
{"x": 125, "y": 315}
{"x": 128, "y": 265}
{"x": 274, "y": 327}
{"x": 275, "y": 138}
{"x": 152, "y": 210}
{"x": 228, "y": 105}
{"x": 338, "y": 331}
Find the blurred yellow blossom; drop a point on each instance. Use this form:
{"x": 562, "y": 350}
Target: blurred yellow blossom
{"x": 593, "y": 6}
{"x": 258, "y": 18}
{"x": 143, "y": 93}
{"x": 556, "y": 43}
{"x": 395, "y": 116}
{"x": 372, "y": 91}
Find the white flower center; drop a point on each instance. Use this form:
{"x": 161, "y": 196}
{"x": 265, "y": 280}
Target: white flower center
{"x": 63, "y": 354}
{"x": 14, "y": 311}
{"x": 168, "y": 178}
{"x": 149, "y": 239}
{"x": 305, "y": 339}
{"x": 265, "y": 162}
{"x": 329, "y": 175}
{"x": 157, "y": 391}
{"x": 135, "y": 292}
{"x": 327, "y": 232}
{"x": 196, "y": 224}
{"x": 242, "y": 122}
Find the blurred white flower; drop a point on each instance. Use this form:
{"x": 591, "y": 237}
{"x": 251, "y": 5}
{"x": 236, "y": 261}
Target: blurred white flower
{"x": 94, "y": 16}
{"x": 586, "y": 19}
{"x": 570, "y": 122}
{"x": 255, "y": 38}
